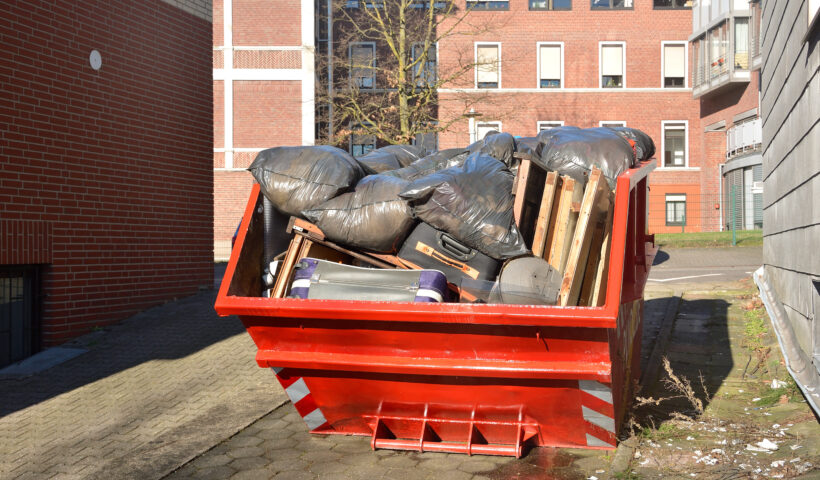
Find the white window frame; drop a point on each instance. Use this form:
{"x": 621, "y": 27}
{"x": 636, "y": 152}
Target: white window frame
{"x": 685, "y": 123}
{"x": 475, "y": 59}
{"x": 554, "y": 123}
{"x": 493, "y": 123}
{"x": 621, "y": 123}
{"x": 685, "y": 63}
{"x": 601, "y": 46}
{"x": 350, "y": 62}
{"x": 538, "y": 46}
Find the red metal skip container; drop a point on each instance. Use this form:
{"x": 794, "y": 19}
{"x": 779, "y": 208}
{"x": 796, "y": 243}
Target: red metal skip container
{"x": 456, "y": 377}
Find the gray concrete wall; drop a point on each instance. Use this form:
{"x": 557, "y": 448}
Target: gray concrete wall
{"x": 790, "y": 107}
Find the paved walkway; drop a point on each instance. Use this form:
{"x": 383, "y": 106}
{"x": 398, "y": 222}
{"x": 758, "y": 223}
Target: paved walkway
{"x": 150, "y": 394}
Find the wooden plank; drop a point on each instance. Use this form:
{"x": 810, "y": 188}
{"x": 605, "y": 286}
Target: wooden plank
{"x": 519, "y": 189}
{"x": 599, "y": 289}
{"x": 581, "y": 238}
{"x": 565, "y": 221}
{"x": 283, "y": 276}
{"x": 305, "y": 228}
{"x": 591, "y": 269}
{"x": 539, "y": 240}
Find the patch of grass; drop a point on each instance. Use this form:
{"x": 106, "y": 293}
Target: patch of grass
{"x": 745, "y": 238}
{"x": 627, "y": 475}
{"x": 666, "y": 431}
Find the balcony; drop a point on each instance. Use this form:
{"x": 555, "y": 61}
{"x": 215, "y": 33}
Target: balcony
{"x": 744, "y": 138}
{"x": 725, "y": 44}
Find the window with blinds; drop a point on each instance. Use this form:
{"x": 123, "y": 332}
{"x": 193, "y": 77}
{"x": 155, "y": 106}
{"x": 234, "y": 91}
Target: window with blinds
{"x": 674, "y": 144}
{"x": 549, "y": 66}
{"x": 548, "y": 124}
{"x": 612, "y": 65}
{"x": 674, "y": 65}
{"x": 488, "y": 65}
{"x": 363, "y": 65}
{"x": 483, "y": 128}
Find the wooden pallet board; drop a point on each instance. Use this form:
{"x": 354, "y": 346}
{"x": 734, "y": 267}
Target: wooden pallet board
{"x": 565, "y": 219}
{"x": 594, "y": 205}
{"x": 528, "y": 189}
{"x": 601, "y": 275}
{"x": 595, "y": 252}
{"x": 545, "y": 224}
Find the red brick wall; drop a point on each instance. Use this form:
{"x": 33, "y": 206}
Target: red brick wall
{"x": 266, "y": 114}
{"x": 263, "y": 22}
{"x": 111, "y": 163}
{"x": 228, "y": 185}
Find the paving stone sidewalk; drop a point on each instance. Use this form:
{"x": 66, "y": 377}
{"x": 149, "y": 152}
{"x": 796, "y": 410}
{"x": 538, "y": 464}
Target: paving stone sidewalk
{"x": 150, "y": 394}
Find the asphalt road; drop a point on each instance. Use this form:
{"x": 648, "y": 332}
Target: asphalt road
{"x": 705, "y": 264}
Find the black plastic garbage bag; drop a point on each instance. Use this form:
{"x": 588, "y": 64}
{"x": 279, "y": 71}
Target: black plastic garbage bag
{"x": 574, "y": 152}
{"x": 644, "y": 146}
{"x": 297, "y": 178}
{"x": 372, "y": 217}
{"x": 430, "y": 164}
{"x": 391, "y": 157}
{"x": 473, "y": 203}
{"x": 498, "y": 145}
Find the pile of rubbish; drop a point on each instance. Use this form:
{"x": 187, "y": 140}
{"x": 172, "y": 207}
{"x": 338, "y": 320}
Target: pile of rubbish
{"x": 492, "y": 222}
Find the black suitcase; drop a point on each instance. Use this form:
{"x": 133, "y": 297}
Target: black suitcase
{"x": 427, "y": 247}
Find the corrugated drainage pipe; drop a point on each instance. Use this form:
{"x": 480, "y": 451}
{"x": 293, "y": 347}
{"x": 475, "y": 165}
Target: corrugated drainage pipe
{"x": 797, "y": 362}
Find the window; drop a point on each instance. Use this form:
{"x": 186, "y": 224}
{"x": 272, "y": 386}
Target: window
{"x": 675, "y": 209}
{"x": 611, "y": 4}
{"x": 483, "y": 128}
{"x": 549, "y": 124}
{"x": 612, "y": 64}
{"x": 550, "y": 4}
{"x": 674, "y": 144}
{"x": 672, "y": 3}
{"x": 366, "y": 3}
{"x": 425, "y": 70}
{"x": 363, "y": 65}
{"x": 674, "y": 65}
{"x": 612, "y": 123}
{"x": 19, "y": 312}
{"x": 361, "y": 143}
{"x": 550, "y": 65}
{"x": 488, "y": 4}
{"x": 488, "y": 65}
{"x": 742, "y": 43}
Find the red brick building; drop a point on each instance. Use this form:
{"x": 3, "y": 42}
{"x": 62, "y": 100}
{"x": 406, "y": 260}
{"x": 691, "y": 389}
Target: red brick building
{"x": 105, "y": 189}
{"x": 540, "y": 63}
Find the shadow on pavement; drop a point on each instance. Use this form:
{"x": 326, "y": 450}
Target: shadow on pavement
{"x": 699, "y": 350}
{"x": 660, "y": 257}
{"x": 174, "y": 330}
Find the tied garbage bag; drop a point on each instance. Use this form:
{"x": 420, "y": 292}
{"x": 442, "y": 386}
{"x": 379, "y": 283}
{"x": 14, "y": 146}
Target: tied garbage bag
{"x": 498, "y": 145}
{"x": 298, "y": 178}
{"x": 574, "y": 152}
{"x": 473, "y": 203}
{"x": 391, "y": 157}
{"x": 644, "y": 146}
{"x": 372, "y": 217}
{"x": 430, "y": 164}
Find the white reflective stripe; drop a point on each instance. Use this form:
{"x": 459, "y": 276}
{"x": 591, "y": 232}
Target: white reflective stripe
{"x": 314, "y": 419}
{"x": 276, "y": 370}
{"x": 297, "y": 391}
{"x": 426, "y": 292}
{"x": 596, "y": 389}
{"x": 596, "y": 418}
{"x": 302, "y": 283}
{"x": 596, "y": 442}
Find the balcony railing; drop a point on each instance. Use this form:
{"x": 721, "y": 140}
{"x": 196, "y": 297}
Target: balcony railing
{"x": 744, "y": 138}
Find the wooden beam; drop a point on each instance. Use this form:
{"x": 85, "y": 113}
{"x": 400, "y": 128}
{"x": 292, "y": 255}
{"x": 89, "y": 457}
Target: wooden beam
{"x": 542, "y": 224}
{"x": 565, "y": 221}
{"x": 519, "y": 190}
{"x": 602, "y": 273}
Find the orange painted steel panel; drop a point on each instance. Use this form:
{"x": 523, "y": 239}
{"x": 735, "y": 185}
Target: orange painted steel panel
{"x": 466, "y": 378}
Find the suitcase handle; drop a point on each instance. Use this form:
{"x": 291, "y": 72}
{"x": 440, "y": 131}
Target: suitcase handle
{"x": 454, "y": 247}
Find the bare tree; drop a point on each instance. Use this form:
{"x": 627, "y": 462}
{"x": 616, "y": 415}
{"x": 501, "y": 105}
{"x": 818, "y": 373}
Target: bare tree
{"x": 382, "y": 74}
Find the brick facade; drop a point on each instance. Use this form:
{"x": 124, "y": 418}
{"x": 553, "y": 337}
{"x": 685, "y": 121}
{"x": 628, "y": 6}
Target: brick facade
{"x": 104, "y": 178}
{"x": 266, "y": 104}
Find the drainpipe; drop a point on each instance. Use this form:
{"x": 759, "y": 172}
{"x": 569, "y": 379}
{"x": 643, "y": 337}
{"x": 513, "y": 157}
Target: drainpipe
{"x": 720, "y": 194}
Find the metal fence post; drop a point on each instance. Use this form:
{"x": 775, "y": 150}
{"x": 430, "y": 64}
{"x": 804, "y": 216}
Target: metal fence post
{"x": 734, "y": 210}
